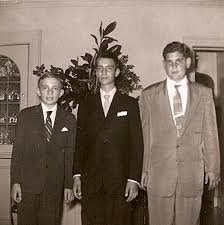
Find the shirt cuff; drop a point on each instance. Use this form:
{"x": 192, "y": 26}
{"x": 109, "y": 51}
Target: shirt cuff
{"x": 134, "y": 181}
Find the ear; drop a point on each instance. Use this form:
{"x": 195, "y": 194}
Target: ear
{"x": 61, "y": 92}
{"x": 164, "y": 64}
{"x": 188, "y": 62}
{"x": 117, "y": 72}
{"x": 38, "y": 92}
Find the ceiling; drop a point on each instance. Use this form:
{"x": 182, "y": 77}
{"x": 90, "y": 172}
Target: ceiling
{"x": 111, "y": 2}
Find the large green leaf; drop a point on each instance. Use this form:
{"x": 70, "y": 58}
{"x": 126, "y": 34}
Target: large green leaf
{"x": 88, "y": 57}
{"x": 74, "y": 62}
{"x": 101, "y": 29}
{"x": 95, "y": 38}
{"x": 109, "y": 28}
{"x": 105, "y": 43}
{"x": 116, "y": 49}
{"x": 107, "y": 37}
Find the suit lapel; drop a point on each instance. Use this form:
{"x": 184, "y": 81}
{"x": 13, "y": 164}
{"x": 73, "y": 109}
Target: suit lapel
{"x": 114, "y": 104}
{"x": 38, "y": 123}
{"x": 99, "y": 107}
{"x": 163, "y": 103}
{"x": 57, "y": 123}
{"x": 192, "y": 103}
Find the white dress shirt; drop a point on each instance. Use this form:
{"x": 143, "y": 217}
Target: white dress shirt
{"x": 183, "y": 90}
{"x": 53, "y": 114}
{"x": 111, "y": 94}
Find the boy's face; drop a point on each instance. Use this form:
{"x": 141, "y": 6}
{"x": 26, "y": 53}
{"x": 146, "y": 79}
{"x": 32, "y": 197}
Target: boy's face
{"x": 106, "y": 71}
{"x": 176, "y": 65}
{"x": 50, "y": 91}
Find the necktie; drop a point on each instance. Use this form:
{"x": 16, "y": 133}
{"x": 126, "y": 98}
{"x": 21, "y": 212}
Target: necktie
{"x": 106, "y": 104}
{"x": 48, "y": 126}
{"x": 178, "y": 109}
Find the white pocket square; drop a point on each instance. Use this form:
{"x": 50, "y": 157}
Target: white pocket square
{"x": 64, "y": 129}
{"x": 122, "y": 113}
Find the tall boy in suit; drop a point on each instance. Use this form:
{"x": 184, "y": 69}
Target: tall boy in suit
{"x": 42, "y": 157}
{"x": 180, "y": 142}
{"x": 108, "y": 157}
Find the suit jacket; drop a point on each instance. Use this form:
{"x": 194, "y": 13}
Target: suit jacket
{"x": 109, "y": 150}
{"x": 35, "y": 162}
{"x": 169, "y": 159}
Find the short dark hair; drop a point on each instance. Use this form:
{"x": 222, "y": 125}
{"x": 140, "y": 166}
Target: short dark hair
{"x": 179, "y": 47}
{"x": 48, "y": 74}
{"x": 108, "y": 55}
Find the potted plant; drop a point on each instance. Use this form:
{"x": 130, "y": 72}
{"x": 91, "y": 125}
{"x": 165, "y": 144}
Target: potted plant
{"x": 80, "y": 78}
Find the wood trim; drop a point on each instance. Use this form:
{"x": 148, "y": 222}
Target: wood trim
{"x": 5, "y": 152}
{"x": 215, "y": 43}
{"x": 4, "y": 222}
{"x": 33, "y": 39}
{"x": 202, "y": 42}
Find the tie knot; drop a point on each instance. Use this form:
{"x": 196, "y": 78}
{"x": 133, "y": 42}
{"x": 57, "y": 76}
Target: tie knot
{"x": 176, "y": 86}
{"x": 49, "y": 113}
{"x": 106, "y": 97}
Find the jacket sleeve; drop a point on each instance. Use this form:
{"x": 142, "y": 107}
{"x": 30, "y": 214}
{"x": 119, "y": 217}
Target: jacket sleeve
{"x": 136, "y": 142}
{"x": 69, "y": 153}
{"x": 18, "y": 150}
{"x": 144, "y": 104}
{"x": 210, "y": 137}
{"x": 81, "y": 138}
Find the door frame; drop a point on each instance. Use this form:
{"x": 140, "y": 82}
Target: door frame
{"x": 33, "y": 39}
{"x": 210, "y": 43}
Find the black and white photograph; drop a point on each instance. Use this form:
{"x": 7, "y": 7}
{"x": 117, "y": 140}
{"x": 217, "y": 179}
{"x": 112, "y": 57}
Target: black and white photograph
{"x": 111, "y": 112}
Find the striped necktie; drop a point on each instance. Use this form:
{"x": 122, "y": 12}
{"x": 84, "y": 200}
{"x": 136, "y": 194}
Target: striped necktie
{"x": 178, "y": 109}
{"x": 106, "y": 104}
{"x": 48, "y": 126}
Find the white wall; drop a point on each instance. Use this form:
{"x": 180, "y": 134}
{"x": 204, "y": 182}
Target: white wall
{"x": 143, "y": 30}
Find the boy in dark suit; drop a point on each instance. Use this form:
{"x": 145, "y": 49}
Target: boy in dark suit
{"x": 108, "y": 157}
{"x": 42, "y": 157}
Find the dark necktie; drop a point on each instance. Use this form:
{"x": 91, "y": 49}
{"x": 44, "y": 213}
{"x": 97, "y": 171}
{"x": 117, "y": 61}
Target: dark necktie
{"x": 48, "y": 126}
{"x": 178, "y": 109}
{"x": 106, "y": 104}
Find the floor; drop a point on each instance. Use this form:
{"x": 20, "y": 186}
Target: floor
{"x": 214, "y": 216}
{"x": 209, "y": 214}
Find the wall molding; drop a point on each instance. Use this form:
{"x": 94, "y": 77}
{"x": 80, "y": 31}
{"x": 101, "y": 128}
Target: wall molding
{"x": 202, "y": 42}
{"x": 32, "y": 38}
{"x": 108, "y": 3}
{"x": 5, "y": 152}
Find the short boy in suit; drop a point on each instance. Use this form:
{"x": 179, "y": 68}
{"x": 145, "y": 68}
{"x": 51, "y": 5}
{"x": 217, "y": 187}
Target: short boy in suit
{"x": 108, "y": 157}
{"x": 42, "y": 156}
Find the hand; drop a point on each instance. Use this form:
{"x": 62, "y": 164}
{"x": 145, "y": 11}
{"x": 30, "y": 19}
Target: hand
{"x": 68, "y": 195}
{"x": 16, "y": 193}
{"x": 212, "y": 179}
{"x": 131, "y": 191}
{"x": 144, "y": 180}
{"x": 77, "y": 187}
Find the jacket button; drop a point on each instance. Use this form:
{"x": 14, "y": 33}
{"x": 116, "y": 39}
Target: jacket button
{"x": 178, "y": 146}
{"x": 46, "y": 166}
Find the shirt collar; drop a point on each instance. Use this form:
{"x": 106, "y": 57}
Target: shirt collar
{"x": 45, "y": 109}
{"x": 111, "y": 93}
{"x": 172, "y": 83}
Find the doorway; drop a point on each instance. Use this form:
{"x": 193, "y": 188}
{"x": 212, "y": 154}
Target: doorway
{"x": 209, "y": 63}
